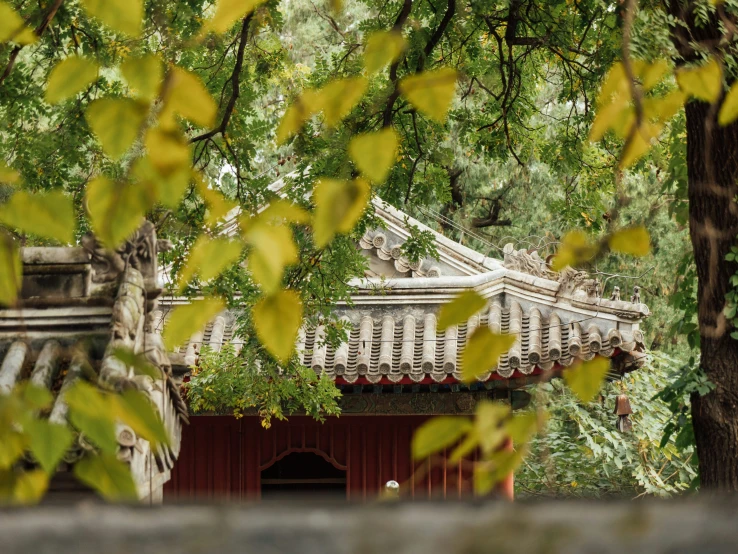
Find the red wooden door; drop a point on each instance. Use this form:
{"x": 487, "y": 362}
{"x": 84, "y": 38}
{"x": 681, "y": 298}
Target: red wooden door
{"x": 223, "y": 457}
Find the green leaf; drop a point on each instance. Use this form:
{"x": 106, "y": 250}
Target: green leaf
{"x": 431, "y": 92}
{"x": 437, "y": 434}
{"x": 586, "y": 378}
{"x": 140, "y": 364}
{"x": 35, "y": 396}
{"x": 116, "y": 122}
{"x": 272, "y": 250}
{"x": 227, "y": 12}
{"x": 48, "y": 442}
{"x": 143, "y": 74}
{"x": 494, "y": 470}
{"x": 70, "y": 76}
{"x": 460, "y": 309}
{"x": 188, "y": 97}
{"x": 108, "y": 476}
{"x": 92, "y": 412}
{"x": 632, "y": 240}
{"x": 375, "y": 153}
{"x": 277, "y": 319}
{"x": 11, "y": 268}
{"x": 482, "y": 352}
{"x": 209, "y": 257}
{"x": 116, "y": 209}
{"x": 338, "y": 207}
{"x": 187, "y": 319}
{"x": 521, "y": 427}
{"x": 49, "y": 215}
{"x": 704, "y": 82}
{"x": 382, "y": 48}
{"x": 125, "y": 16}
{"x": 136, "y": 410}
{"x": 12, "y": 27}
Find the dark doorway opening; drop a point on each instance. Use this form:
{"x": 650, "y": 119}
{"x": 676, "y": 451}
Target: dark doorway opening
{"x": 303, "y": 473}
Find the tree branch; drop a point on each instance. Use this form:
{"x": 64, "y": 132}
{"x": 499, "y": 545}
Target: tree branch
{"x": 39, "y": 31}
{"x": 235, "y": 85}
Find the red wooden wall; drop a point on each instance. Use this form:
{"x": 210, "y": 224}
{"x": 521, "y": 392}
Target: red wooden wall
{"x": 222, "y": 457}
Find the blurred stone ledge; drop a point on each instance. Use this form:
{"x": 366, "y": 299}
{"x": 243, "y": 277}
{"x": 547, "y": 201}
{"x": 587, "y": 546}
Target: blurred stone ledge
{"x": 696, "y": 525}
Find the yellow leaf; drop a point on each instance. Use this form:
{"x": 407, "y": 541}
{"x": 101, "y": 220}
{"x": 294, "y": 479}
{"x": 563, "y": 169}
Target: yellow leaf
{"x": 116, "y": 209}
{"x": 664, "y": 108}
{"x": 272, "y": 250}
{"x": 8, "y": 175}
{"x": 92, "y": 412}
{"x": 382, "y": 48}
{"x": 339, "y": 97}
{"x": 209, "y": 257}
{"x": 168, "y": 150}
{"x": 49, "y": 215}
{"x": 437, "y": 434}
{"x": 303, "y": 108}
{"x": 107, "y": 475}
{"x": 338, "y": 207}
{"x": 277, "y": 319}
{"x": 70, "y": 76}
{"x": 187, "y": 319}
{"x": 650, "y": 73}
{"x": 188, "y": 97}
{"x": 143, "y": 74}
{"x": 30, "y": 486}
{"x": 482, "y": 352}
{"x": 460, "y": 309}
{"x": 11, "y": 269}
{"x": 218, "y": 205}
{"x": 633, "y": 240}
{"x": 490, "y": 425}
{"x": 575, "y": 249}
{"x": 729, "y": 109}
{"x": 116, "y": 122}
{"x": 640, "y": 143}
{"x": 605, "y": 118}
{"x": 495, "y": 469}
{"x": 166, "y": 188}
{"x": 375, "y": 153}
{"x": 586, "y": 378}
{"x": 227, "y": 12}
{"x": 704, "y": 82}
{"x": 135, "y": 409}
{"x": 614, "y": 86}
{"x": 337, "y": 5}
{"x": 431, "y": 92}
{"x": 12, "y": 27}
{"x": 522, "y": 426}
{"x": 125, "y": 16}
{"x": 282, "y": 210}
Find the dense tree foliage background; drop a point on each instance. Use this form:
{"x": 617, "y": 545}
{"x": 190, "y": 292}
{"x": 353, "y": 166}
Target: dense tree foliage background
{"x": 512, "y": 163}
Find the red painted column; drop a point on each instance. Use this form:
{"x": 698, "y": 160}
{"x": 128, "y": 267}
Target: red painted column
{"x": 506, "y": 488}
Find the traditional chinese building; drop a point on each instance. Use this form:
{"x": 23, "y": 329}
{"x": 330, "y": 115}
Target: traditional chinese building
{"x": 396, "y": 370}
{"x": 76, "y": 306}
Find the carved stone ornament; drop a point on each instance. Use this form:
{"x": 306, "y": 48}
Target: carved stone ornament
{"x": 139, "y": 252}
{"x": 526, "y": 262}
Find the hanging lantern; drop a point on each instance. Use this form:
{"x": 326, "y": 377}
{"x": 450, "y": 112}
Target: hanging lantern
{"x": 623, "y": 411}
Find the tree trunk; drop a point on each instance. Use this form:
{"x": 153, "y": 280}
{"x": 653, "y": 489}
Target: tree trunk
{"x": 712, "y": 161}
